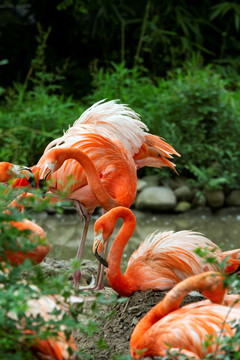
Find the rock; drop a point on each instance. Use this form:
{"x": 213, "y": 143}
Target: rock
{"x": 183, "y": 193}
{"x": 141, "y": 184}
{"x": 233, "y": 199}
{"x": 158, "y": 198}
{"x": 199, "y": 199}
{"x": 182, "y": 206}
{"x": 151, "y": 180}
{"x": 215, "y": 198}
{"x": 176, "y": 182}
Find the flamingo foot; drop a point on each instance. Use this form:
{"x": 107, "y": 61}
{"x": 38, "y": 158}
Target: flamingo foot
{"x": 96, "y": 287}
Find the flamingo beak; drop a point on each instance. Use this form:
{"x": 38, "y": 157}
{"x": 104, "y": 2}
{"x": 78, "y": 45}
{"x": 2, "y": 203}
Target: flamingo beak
{"x": 99, "y": 246}
{"x": 48, "y": 169}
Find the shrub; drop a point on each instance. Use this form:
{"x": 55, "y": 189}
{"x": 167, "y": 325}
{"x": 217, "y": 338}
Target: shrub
{"x": 19, "y": 285}
{"x": 30, "y": 120}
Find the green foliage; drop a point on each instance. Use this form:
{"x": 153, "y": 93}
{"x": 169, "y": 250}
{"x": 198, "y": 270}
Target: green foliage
{"x": 27, "y": 282}
{"x": 192, "y": 109}
{"x": 33, "y": 113}
{"x": 30, "y": 120}
{"x": 16, "y": 292}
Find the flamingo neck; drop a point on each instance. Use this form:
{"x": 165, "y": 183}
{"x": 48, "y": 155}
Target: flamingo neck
{"x": 103, "y": 197}
{"x": 209, "y": 283}
{"x": 116, "y": 279}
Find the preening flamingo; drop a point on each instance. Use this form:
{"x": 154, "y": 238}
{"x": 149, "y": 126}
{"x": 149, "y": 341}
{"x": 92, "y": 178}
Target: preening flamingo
{"x": 110, "y": 134}
{"x": 161, "y": 261}
{"x": 168, "y": 327}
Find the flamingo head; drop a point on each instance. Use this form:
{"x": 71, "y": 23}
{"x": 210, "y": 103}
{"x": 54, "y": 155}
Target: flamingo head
{"x": 49, "y": 167}
{"x": 98, "y": 247}
{"x": 8, "y": 171}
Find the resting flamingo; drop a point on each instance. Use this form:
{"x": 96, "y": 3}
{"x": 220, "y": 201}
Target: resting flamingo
{"x": 168, "y": 327}
{"x": 161, "y": 261}
{"x": 99, "y": 131}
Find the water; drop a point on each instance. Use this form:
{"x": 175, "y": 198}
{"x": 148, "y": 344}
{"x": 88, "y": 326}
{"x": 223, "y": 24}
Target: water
{"x": 64, "y": 231}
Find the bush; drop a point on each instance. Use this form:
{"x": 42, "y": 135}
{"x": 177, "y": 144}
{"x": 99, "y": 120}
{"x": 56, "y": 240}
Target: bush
{"x": 27, "y": 283}
{"x": 30, "y": 120}
{"x": 192, "y": 110}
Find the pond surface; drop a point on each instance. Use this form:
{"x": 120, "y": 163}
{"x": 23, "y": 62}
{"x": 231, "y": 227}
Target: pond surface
{"x": 64, "y": 230}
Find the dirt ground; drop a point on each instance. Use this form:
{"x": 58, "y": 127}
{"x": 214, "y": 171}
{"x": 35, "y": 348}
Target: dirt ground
{"x": 117, "y": 328}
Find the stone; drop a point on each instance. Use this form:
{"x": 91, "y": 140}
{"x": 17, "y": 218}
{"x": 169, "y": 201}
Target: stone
{"x": 158, "y": 198}
{"x": 183, "y": 193}
{"x": 151, "y": 180}
{"x": 141, "y": 184}
{"x": 233, "y": 199}
{"x": 198, "y": 199}
{"x": 215, "y": 198}
{"x": 182, "y": 206}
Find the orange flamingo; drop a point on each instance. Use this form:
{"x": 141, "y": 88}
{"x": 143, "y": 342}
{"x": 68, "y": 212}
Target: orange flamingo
{"x": 166, "y": 326}
{"x": 109, "y": 146}
{"x": 161, "y": 261}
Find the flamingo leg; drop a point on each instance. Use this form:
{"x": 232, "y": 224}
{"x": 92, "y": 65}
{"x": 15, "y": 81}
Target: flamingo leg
{"x": 86, "y": 218}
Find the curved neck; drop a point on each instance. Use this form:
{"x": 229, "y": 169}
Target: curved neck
{"x": 209, "y": 283}
{"x": 116, "y": 279}
{"x": 103, "y": 197}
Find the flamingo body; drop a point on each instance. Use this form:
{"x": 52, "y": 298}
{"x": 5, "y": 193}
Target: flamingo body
{"x": 37, "y": 237}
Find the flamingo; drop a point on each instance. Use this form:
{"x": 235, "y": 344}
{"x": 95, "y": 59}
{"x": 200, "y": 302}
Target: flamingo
{"x": 161, "y": 261}
{"x": 186, "y": 329}
{"x": 99, "y": 132}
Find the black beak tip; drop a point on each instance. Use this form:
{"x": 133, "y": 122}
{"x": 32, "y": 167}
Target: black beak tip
{"x": 101, "y": 259}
